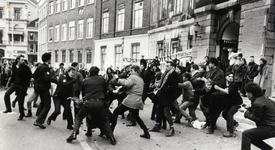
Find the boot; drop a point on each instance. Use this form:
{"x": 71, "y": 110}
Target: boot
{"x": 29, "y": 114}
{"x": 72, "y": 137}
{"x": 113, "y": 140}
{"x": 146, "y": 134}
{"x": 171, "y": 132}
{"x": 155, "y": 128}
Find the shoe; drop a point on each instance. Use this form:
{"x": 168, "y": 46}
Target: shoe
{"x": 209, "y": 131}
{"x": 131, "y": 124}
{"x": 20, "y": 117}
{"x": 72, "y": 137}
{"x": 228, "y": 134}
{"x": 113, "y": 140}
{"x": 70, "y": 127}
{"x": 39, "y": 125}
{"x": 153, "y": 118}
{"x": 176, "y": 121}
{"x": 171, "y": 132}
{"x": 13, "y": 104}
{"x": 146, "y": 135}
{"x": 7, "y": 111}
{"x": 155, "y": 128}
{"x": 29, "y": 114}
{"x": 49, "y": 121}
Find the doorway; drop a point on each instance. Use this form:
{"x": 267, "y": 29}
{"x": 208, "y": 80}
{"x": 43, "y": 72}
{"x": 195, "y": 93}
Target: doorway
{"x": 229, "y": 39}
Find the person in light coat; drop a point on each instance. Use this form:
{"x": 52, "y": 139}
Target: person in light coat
{"x": 133, "y": 101}
{"x": 262, "y": 77}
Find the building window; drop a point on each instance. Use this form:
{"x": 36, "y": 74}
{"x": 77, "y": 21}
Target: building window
{"x": 56, "y": 56}
{"x": 31, "y": 37}
{"x": 90, "y": 24}
{"x": 64, "y": 5}
{"x": 135, "y": 51}
{"x": 64, "y": 32}
{"x": 57, "y": 6}
{"x": 138, "y": 14}
{"x": 80, "y": 2}
{"x": 71, "y": 30}
{"x": 90, "y": 1}
{"x": 105, "y": 22}
{"x": 57, "y": 33}
{"x": 178, "y": 6}
{"x": 51, "y": 8}
{"x": 118, "y": 56}
{"x": 72, "y": 4}
{"x": 163, "y": 10}
{"x": 50, "y": 34}
{"x": 121, "y": 18}
{"x": 103, "y": 57}
{"x": 160, "y": 49}
{"x": 71, "y": 56}
{"x": 17, "y": 13}
{"x": 79, "y": 56}
{"x": 63, "y": 58}
{"x": 89, "y": 56}
{"x": 32, "y": 48}
{"x": 80, "y": 29}
{"x": 1, "y": 13}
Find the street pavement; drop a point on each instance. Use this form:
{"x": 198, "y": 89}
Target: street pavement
{"x": 22, "y": 135}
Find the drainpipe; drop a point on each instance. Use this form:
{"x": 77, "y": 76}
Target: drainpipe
{"x": 100, "y": 22}
{"x": 115, "y": 19}
{"x": 131, "y": 21}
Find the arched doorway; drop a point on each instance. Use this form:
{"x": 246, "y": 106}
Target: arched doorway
{"x": 228, "y": 38}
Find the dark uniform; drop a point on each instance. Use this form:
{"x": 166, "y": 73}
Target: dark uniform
{"x": 43, "y": 79}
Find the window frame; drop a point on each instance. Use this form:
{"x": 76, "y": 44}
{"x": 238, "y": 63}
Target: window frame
{"x": 138, "y": 15}
{"x": 80, "y": 29}
{"x": 90, "y": 28}
{"x": 120, "y": 19}
{"x": 105, "y": 22}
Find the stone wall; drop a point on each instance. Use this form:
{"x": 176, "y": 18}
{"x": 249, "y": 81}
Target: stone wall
{"x": 257, "y": 34}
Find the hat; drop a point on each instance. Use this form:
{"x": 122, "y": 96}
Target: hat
{"x": 228, "y": 73}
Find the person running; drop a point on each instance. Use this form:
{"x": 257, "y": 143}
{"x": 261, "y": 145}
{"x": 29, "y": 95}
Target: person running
{"x": 42, "y": 78}
{"x": 63, "y": 91}
{"x": 21, "y": 75}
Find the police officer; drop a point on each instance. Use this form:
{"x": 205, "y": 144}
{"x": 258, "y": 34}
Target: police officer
{"x": 94, "y": 90}
{"x": 43, "y": 79}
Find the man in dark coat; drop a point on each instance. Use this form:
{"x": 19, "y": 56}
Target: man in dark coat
{"x": 165, "y": 97}
{"x": 21, "y": 75}
{"x": 43, "y": 79}
{"x": 262, "y": 112}
{"x": 251, "y": 73}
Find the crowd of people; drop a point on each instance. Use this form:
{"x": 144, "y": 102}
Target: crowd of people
{"x": 214, "y": 89}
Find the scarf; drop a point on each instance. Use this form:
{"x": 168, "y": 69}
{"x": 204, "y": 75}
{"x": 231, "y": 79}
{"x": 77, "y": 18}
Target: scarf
{"x": 164, "y": 77}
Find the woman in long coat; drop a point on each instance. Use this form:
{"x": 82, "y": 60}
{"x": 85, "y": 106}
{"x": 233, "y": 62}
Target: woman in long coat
{"x": 263, "y": 71}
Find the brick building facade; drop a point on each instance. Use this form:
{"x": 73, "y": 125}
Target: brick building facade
{"x": 69, "y": 28}
{"x": 121, "y": 32}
